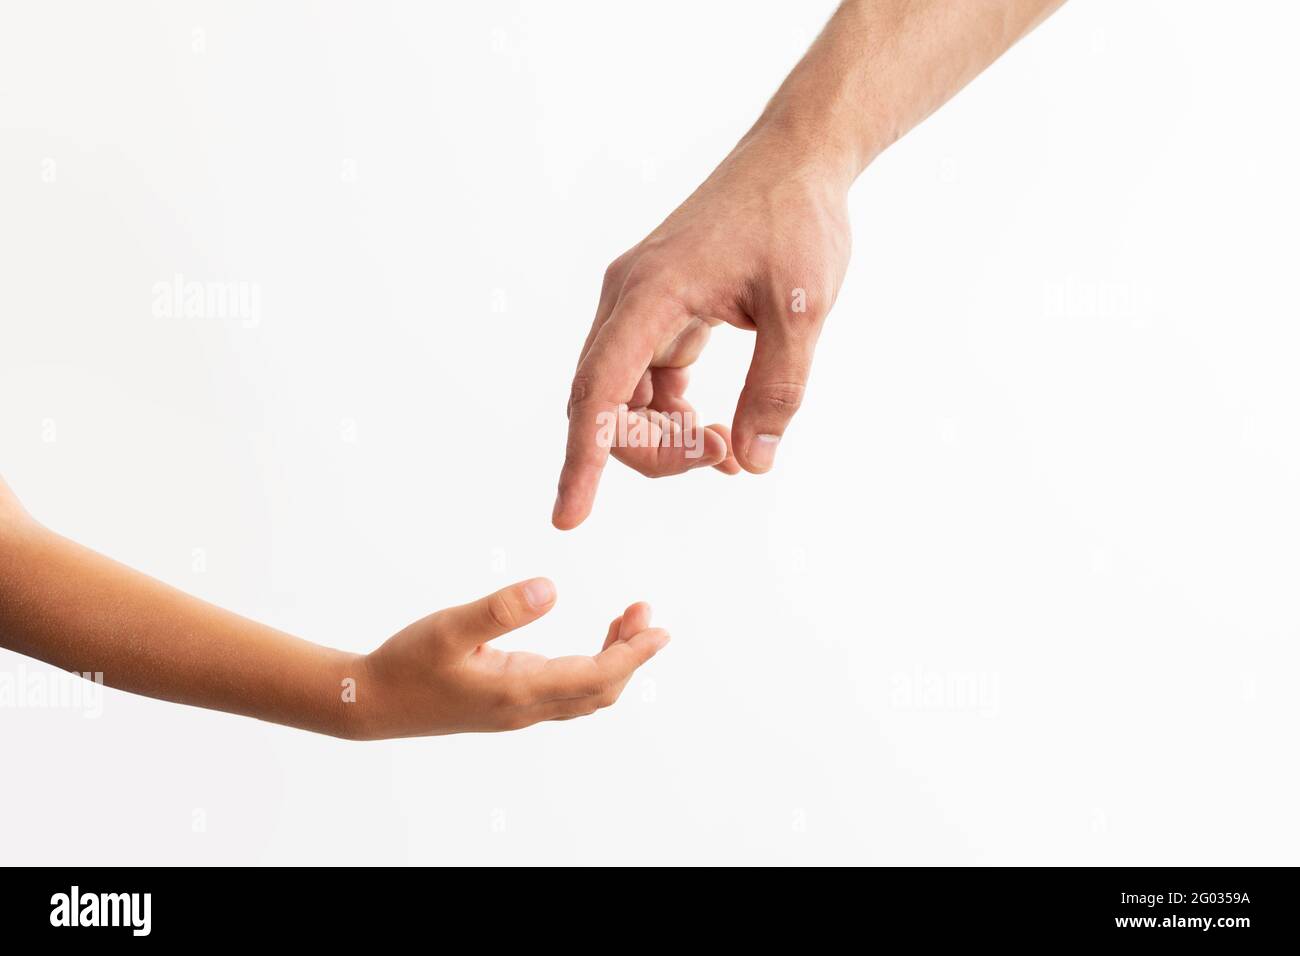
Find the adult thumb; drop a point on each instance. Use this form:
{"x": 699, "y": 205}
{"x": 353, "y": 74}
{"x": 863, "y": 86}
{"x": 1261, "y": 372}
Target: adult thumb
{"x": 773, "y": 392}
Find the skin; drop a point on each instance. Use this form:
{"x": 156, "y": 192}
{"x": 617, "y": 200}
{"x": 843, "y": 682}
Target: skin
{"x": 763, "y": 244}
{"x": 78, "y": 610}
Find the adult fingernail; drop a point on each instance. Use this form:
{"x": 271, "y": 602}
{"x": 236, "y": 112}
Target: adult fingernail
{"x": 539, "y": 592}
{"x": 762, "y": 451}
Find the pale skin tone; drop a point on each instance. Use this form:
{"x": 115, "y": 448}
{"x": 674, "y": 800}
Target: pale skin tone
{"x": 763, "y": 244}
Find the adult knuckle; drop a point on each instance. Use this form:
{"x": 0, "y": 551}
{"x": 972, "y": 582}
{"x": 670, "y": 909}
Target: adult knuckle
{"x": 654, "y": 279}
{"x": 782, "y": 397}
{"x": 673, "y": 284}
{"x": 581, "y": 390}
{"x": 615, "y": 273}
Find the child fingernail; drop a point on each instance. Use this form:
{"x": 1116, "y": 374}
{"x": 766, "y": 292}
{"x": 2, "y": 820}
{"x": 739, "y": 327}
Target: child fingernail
{"x": 539, "y": 592}
{"x": 762, "y": 451}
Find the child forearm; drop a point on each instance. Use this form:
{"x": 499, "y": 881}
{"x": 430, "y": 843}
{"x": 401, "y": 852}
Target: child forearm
{"x": 80, "y": 611}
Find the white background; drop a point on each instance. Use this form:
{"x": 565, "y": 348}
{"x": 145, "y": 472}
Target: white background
{"x": 1021, "y": 589}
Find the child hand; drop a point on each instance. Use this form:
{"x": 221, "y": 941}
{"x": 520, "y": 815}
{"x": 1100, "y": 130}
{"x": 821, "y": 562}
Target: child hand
{"x": 439, "y": 676}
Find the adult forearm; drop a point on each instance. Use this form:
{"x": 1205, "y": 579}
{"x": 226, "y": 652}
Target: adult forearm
{"x": 881, "y": 66}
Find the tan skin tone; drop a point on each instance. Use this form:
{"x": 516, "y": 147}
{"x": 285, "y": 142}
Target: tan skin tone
{"x": 763, "y": 244}
{"x": 769, "y": 229}
{"x": 83, "y": 612}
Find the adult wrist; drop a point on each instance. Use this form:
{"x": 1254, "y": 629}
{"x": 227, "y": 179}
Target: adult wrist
{"x": 812, "y": 141}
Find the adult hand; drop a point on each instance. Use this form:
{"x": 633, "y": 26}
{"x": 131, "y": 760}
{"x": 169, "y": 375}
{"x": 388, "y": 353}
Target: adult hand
{"x": 763, "y": 246}
{"x": 764, "y": 243}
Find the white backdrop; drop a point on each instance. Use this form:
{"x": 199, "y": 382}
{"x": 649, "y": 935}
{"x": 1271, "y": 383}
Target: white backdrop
{"x": 1021, "y": 589}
